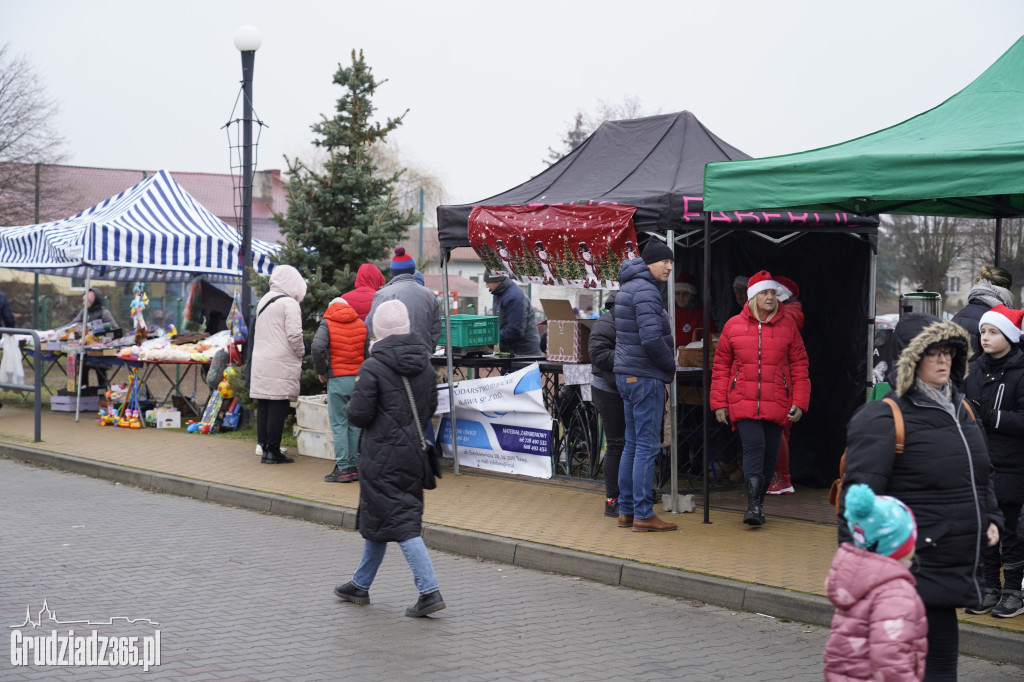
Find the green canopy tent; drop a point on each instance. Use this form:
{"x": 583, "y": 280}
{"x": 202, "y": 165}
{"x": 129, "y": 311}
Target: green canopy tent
{"x": 963, "y": 158}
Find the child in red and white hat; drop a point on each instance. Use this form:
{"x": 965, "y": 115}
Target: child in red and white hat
{"x": 995, "y": 386}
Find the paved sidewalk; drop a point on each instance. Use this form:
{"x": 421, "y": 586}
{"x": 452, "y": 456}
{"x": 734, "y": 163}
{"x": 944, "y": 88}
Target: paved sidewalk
{"x": 777, "y": 569}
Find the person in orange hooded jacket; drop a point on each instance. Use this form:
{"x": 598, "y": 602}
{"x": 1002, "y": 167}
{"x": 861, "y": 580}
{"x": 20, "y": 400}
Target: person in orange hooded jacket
{"x": 338, "y": 352}
{"x": 759, "y": 382}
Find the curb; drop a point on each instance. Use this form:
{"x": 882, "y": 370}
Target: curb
{"x": 992, "y": 644}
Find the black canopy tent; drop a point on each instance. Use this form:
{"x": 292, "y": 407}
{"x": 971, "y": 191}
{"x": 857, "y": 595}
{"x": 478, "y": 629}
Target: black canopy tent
{"x": 656, "y": 164}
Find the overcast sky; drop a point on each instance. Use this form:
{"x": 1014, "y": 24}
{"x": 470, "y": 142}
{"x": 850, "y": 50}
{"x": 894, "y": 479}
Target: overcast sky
{"x": 490, "y": 86}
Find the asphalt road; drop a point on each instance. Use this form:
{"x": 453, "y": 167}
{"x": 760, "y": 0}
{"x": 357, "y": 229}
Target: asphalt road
{"x": 239, "y": 595}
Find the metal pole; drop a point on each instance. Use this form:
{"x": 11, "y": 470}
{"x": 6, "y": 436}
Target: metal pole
{"x": 871, "y": 324}
{"x": 706, "y": 378}
{"x": 451, "y": 372}
{"x": 419, "y": 258}
{"x": 248, "y": 62}
{"x": 673, "y": 391}
{"x": 35, "y": 288}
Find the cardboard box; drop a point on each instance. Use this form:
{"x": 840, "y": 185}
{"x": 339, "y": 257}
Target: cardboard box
{"x": 164, "y": 418}
{"x": 568, "y": 337}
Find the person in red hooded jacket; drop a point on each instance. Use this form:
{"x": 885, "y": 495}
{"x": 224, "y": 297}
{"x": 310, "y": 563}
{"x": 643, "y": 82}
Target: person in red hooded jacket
{"x": 759, "y": 382}
{"x": 689, "y": 320}
{"x": 369, "y": 280}
{"x": 789, "y": 297}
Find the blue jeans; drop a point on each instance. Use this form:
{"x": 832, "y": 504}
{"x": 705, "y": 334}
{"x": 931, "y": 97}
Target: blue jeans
{"x": 643, "y": 402}
{"x": 346, "y": 436}
{"x": 415, "y": 555}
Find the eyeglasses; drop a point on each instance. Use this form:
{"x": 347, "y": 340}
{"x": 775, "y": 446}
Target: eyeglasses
{"x": 935, "y": 354}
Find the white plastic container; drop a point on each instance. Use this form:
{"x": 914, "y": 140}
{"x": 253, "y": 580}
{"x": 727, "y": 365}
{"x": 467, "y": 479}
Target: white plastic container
{"x": 314, "y": 443}
{"x": 311, "y": 413}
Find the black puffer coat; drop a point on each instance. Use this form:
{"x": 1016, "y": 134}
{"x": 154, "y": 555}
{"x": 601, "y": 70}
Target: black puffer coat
{"x": 1000, "y": 396}
{"x": 602, "y": 344}
{"x": 943, "y": 474}
{"x": 391, "y": 462}
{"x": 968, "y": 318}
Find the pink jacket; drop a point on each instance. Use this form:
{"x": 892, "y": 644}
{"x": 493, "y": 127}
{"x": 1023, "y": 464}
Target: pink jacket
{"x": 879, "y": 631}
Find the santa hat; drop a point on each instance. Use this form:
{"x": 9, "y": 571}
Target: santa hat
{"x": 762, "y": 281}
{"x": 1006, "y": 320}
{"x": 402, "y": 263}
{"x": 787, "y": 288}
{"x": 686, "y": 282}
{"x": 879, "y": 523}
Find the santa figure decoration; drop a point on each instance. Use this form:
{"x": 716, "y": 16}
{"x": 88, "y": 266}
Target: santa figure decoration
{"x": 588, "y": 264}
{"x": 545, "y": 264}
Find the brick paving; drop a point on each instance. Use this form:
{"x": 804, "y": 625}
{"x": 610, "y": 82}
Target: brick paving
{"x": 244, "y": 596}
{"x": 787, "y": 553}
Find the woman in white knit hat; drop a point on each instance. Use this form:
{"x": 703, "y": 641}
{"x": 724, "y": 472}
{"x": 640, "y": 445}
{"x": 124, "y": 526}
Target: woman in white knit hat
{"x": 395, "y": 388}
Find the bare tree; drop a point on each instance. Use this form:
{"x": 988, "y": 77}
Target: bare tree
{"x": 584, "y": 124}
{"x": 923, "y": 248}
{"x": 28, "y": 136}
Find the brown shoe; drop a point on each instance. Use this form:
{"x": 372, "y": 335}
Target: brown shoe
{"x": 652, "y": 525}
{"x": 625, "y": 521}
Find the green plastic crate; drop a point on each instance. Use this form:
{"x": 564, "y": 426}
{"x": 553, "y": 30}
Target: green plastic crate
{"x": 473, "y": 330}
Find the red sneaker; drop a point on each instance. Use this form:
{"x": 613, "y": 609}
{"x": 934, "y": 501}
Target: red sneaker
{"x": 781, "y": 485}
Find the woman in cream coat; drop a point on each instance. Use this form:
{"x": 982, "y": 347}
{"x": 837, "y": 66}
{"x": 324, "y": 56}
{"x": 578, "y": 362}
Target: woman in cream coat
{"x": 277, "y": 358}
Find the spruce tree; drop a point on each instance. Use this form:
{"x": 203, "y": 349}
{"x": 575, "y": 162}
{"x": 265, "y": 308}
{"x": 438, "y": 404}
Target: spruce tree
{"x": 344, "y": 214}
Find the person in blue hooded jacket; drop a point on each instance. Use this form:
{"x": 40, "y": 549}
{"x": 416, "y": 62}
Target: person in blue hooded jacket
{"x": 644, "y": 364}
{"x": 517, "y": 325}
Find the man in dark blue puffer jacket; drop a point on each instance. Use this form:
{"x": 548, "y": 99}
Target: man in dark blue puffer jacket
{"x": 644, "y": 363}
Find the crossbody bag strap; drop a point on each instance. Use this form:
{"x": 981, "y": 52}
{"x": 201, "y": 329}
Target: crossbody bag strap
{"x": 415, "y": 413}
{"x": 265, "y": 305}
{"x": 897, "y": 420}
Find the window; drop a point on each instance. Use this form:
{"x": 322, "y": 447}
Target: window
{"x": 953, "y": 284}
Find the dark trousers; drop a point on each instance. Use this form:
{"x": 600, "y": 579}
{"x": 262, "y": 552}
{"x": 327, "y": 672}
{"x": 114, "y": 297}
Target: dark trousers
{"x": 1008, "y": 553}
{"x": 270, "y": 415}
{"x": 609, "y": 406}
{"x": 760, "y": 441}
{"x": 943, "y": 641}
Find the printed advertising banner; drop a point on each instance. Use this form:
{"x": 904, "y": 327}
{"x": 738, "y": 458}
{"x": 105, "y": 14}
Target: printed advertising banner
{"x": 502, "y": 424}
{"x": 574, "y": 246}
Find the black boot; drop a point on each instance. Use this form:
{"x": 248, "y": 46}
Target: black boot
{"x": 755, "y": 493}
{"x": 275, "y": 457}
{"x": 427, "y": 603}
{"x": 349, "y": 592}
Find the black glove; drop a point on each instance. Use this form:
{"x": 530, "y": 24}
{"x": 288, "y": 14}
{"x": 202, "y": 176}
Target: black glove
{"x": 985, "y": 415}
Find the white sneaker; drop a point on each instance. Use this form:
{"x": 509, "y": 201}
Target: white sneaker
{"x": 259, "y": 450}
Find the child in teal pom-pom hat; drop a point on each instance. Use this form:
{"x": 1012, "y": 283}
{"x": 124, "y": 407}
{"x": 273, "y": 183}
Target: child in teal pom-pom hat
{"x": 879, "y": 630}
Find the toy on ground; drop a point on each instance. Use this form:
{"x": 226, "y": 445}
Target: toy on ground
{"x": 129, "y": 414}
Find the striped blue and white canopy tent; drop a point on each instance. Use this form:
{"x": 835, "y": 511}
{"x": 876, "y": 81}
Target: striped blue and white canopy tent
{"x": 154, "y": 231}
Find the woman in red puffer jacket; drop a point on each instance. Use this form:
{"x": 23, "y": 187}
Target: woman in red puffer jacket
{"x": 758, "y": 383}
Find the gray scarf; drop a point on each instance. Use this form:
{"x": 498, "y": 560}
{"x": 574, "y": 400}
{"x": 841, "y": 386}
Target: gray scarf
{"x": 985, "y": 292}
{"x": 943, "y": 397}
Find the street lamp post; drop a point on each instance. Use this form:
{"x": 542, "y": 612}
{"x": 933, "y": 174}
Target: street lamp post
{"x": 247, "y": 39}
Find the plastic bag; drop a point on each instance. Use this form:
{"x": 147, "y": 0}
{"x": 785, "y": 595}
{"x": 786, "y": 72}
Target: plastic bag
{"x": 11, "y": 369}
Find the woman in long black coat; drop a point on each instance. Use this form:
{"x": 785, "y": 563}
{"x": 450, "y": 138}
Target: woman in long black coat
{"x": 391, "y": 459}
{"x": 995, "y": 384}
{"x": 943, "y": 474}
